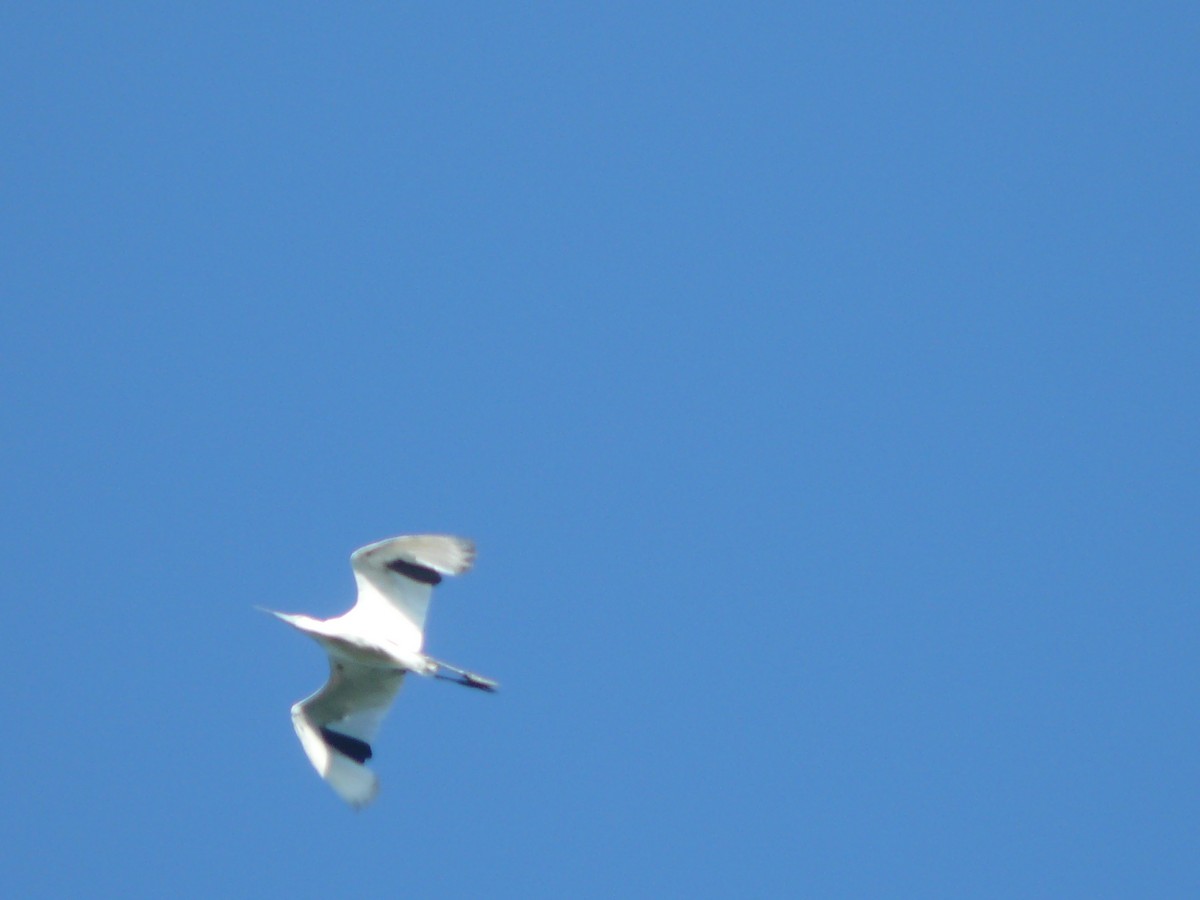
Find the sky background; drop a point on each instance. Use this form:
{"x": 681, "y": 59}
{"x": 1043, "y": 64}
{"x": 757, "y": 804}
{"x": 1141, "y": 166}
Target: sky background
{"x": 819, "y": 383}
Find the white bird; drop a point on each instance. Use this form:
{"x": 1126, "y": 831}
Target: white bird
{"x": 371, "y": 648}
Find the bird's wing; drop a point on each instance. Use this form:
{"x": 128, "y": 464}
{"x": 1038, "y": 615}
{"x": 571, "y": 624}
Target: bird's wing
{"x": 396, "y": 579}
{"x": 337, "y": 724}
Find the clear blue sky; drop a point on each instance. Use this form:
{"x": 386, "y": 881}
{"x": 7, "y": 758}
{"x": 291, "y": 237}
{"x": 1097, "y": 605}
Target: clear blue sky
{"x": 819, "y": 383}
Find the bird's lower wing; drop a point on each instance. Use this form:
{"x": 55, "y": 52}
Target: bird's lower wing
{"x": 337, "y": 724}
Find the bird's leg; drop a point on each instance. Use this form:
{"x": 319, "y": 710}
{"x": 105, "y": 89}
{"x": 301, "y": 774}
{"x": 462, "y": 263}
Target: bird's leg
{"x": 463, "y": 677}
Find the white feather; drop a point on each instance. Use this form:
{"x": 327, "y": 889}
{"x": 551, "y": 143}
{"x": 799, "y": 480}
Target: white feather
{"x": 371, "y": 647}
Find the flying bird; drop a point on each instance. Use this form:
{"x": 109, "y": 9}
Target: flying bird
{"x": 371, "y": 648}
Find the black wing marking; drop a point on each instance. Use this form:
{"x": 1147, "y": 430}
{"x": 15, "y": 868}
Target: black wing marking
{"x": 422, "y": 574}
{"x": 359, "y": 751}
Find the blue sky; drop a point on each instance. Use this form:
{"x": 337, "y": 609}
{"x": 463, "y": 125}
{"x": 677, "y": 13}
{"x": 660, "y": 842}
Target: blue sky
{"x": 819, "y": 384}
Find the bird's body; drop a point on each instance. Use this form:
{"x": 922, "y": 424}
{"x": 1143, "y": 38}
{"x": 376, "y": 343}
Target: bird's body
{"x": 375, "y": 651}
{"x": 371, "y": 648}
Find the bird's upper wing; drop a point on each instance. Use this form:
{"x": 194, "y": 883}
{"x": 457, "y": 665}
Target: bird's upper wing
{"x": 396, "y": 578}
{"x": 337, "y": 723}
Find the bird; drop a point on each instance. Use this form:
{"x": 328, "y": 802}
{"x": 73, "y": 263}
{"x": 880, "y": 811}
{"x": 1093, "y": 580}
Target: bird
{"x": 371, "y": 647}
